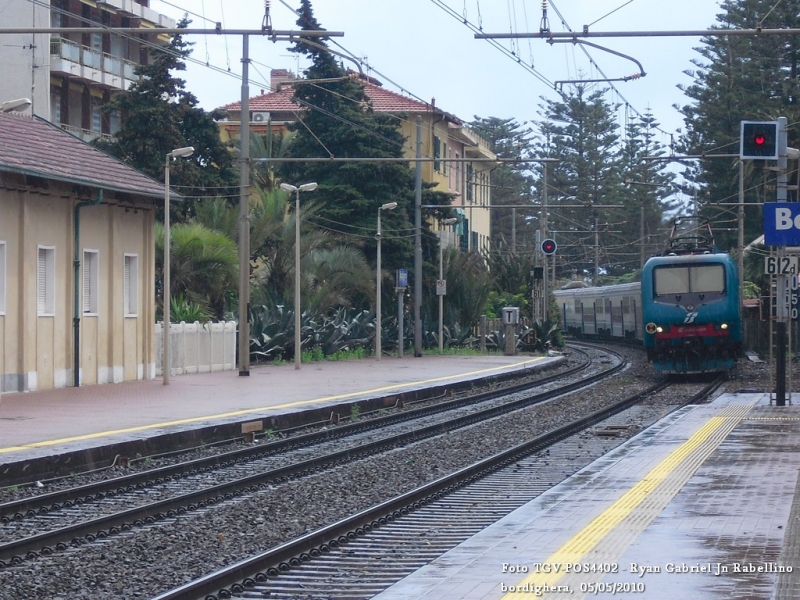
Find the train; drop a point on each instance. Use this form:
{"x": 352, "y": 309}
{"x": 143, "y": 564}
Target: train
{"x": 685, "y": 312}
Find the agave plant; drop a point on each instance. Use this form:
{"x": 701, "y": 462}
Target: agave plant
{"x": 271, "y": 332}
{"x": 340, "y": 332}
{"x": 540, "y": 336}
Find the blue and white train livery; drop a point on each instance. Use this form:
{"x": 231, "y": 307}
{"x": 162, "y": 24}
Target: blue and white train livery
{"x": 685, "y": 311}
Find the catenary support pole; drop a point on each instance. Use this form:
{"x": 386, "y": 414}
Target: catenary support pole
{"x": 244, "y": 215}
{"x": 418, "y": 245}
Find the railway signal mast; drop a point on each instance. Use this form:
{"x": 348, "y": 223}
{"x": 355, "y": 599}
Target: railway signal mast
{"x": 766, "y": 140}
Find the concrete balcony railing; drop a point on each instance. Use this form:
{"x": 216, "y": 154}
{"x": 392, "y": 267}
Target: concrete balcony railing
{"x": 73, "y": 59}
{"x": 85, "y": 134}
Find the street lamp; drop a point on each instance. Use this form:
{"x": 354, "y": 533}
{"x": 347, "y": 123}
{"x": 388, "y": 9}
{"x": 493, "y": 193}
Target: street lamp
{"x": 17, "y": 105}
{"x": 165, "y": 356}
{"x": 306, "y": 187}
{"x": 387, "y": 206}
{"x": 441, "y": 277}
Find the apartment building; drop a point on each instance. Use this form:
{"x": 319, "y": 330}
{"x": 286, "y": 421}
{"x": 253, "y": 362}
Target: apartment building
{"x": 69, "y": 77}
{"x": 444, "y": 136}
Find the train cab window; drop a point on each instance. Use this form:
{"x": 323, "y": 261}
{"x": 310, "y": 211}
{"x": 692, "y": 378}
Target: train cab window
{"x": 671, "y": 281}
{"x": 708, "y": 278}
{"x": 707, "y": 281}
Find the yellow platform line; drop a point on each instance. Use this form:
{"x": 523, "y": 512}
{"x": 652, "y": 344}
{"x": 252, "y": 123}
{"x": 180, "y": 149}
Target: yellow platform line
{"x": 248, "y": 411}
{"x": 685, "y": 459}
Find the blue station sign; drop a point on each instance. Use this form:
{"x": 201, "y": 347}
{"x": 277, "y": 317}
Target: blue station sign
{"x": 782, "y": 223}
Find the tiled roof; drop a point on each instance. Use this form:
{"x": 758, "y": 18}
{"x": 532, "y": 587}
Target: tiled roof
{"x": 383, "y": 100}
{"x": 273, "y": 102}
{"x": 33, "y": 146}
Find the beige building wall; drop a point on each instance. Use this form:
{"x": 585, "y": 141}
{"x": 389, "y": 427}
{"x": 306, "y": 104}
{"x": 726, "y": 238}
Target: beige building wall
{"x": 36, "y": 349}
{"x": 470, "y": 181}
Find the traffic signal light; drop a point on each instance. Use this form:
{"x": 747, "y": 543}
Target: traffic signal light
{"x": 549, "y": 247}
{"x": 759, "y": 140}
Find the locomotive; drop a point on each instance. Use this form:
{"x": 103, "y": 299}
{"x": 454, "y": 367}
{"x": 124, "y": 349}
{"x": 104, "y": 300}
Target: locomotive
{"x": 686, "y": 310}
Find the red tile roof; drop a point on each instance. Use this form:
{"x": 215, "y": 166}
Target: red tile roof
{"x": 383, "y": 100}
{"x": 33, "y": 146}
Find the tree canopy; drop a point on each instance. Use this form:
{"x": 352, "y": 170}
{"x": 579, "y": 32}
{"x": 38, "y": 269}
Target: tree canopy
{"x": 160, "y": 115}
{"x": 739, "y": 78}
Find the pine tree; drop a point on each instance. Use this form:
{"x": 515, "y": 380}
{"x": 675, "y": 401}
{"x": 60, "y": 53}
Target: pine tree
{"x": 160, "y": 115}
{"x": 740, "y": 78}
{"x": 646, "y": 187}
{"x": 511, "y": 183}
{"x": 338, "y": 121}
{"x": 581, "y": 133}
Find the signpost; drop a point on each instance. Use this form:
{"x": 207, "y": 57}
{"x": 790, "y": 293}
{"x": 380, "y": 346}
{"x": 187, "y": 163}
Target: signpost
{"x": 780, "y": 265}
{"x": 400, "y": 288}
{"x": 766, "y": 140}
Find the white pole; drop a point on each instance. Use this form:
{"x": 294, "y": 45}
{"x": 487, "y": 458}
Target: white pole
{"x": 297, "y": 355}
{"x": 449, "y": 221}
{"x": 441, "y": 299}
{"x": 165, "y": 362}
{"x": 165, "y": 346}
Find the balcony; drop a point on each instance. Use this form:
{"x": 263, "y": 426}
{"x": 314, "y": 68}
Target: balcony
{"x": 84, "y": 134}
{"x": 74, "y": 60}
{"x": 130, "y": 8}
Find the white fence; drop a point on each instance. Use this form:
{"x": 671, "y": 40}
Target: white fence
{"x": 198, "y": 347}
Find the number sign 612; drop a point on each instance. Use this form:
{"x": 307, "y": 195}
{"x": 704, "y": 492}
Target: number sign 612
{"x": 780, "y": 265}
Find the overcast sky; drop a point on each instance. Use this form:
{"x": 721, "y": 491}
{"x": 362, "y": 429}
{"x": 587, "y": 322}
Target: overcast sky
{"x": 418, "y": 47}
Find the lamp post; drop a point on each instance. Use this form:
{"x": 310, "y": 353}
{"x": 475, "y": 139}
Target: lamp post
{"x": 18, "y": 105}
{"x": 165, "y": 355}
{"x": 306, "y": 187}
{"x": 441, "y": 277}
{"x": 387, "y": 206}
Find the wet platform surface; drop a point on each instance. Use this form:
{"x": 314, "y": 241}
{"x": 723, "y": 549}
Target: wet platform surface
{"x": 703, "y": 504}
{"x": 102, "y": 420}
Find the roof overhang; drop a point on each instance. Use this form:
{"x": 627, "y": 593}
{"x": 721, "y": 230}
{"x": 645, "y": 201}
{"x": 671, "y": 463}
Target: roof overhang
{"x": 84, "y": 182}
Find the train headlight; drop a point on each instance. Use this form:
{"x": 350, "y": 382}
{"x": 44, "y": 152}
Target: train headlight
{"x": 659, "y": 330}
{"x": 650, "y": 328}
{"x": 723, "y": 326}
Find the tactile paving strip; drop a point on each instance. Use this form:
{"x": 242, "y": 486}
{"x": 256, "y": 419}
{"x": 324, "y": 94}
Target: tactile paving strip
{"x": 605, "y": 539}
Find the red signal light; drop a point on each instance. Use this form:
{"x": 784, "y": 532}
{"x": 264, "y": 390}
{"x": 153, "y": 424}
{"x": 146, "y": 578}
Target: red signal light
{"x": 549, "y": 247}
{"x": 758, "y": 140}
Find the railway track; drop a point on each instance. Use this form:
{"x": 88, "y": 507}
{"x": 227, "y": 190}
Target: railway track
{"x": 360, "y": 556}
{"x": 48, "y": 523}
{"x": 147, "y": 559}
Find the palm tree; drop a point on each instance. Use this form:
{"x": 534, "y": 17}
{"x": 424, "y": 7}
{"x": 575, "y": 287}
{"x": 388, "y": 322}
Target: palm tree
{"x": 203, "y": 266}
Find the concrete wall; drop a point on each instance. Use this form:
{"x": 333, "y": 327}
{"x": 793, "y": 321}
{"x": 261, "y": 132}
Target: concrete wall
{"x": 37, "y": 350}
{"x": 198, "y": 347}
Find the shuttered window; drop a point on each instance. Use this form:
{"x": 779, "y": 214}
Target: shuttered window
{"x": 131, "y": 285}
{"x": 46, "y": 281}
{"x": 2, "y": 278}
{"x": 91, "y": 274}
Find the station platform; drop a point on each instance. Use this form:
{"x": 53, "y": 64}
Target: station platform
{"x": 703, "y": 504}
{"x": 70, "y": 430}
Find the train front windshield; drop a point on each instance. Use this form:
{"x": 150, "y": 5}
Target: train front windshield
{"x": 708, "y": 280}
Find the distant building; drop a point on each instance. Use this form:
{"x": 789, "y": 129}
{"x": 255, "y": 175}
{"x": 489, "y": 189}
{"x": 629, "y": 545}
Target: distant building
{"x": 443, "y": 136}
{"x": 70, "y": 77}
{"x": 77, "y": 255}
